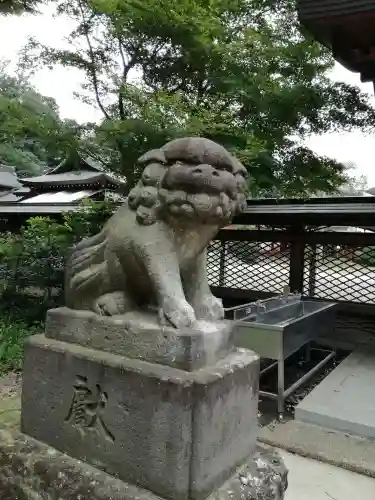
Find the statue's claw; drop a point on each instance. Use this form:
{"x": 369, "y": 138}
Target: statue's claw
{"x": 179, "y": 313}
{"x": 111, "y": 304}
{"x": 209, "y": 308}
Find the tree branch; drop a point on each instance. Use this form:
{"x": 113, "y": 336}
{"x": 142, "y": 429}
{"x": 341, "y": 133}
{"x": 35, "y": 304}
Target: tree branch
{"x": 126, "y": 67}
{"x": 91, "y": 66}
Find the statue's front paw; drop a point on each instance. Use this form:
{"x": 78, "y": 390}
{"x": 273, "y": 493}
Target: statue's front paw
{"x": 209, "y": 308}
{"x": 111, "y": 304}
{"x": 179, "y": 313}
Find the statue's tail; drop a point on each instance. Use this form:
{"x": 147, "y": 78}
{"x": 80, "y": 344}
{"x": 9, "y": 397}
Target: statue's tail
{"x": 86, "y": 274}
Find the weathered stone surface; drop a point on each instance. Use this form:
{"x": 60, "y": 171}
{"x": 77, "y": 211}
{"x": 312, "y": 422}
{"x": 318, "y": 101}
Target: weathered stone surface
{"x": 30, "y": 470}
{"x": 142, "y": 412}
{"x": 138, "y": 335}
{"x": 263, "y": 477}
{"x": 176, "y": 433}
{"x": 152, "y": 251}
{"x": 225, "y": 420}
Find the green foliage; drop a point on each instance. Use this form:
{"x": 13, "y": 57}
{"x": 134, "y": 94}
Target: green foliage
{"x": 239, "y": 72}
{"x": 31, "y": 133}
{"x": 248, "y": 252}
{"x": 13, "y": 334}
{"x": 367, "y": 256}
{"x": 32, "y": 273}
{"x": 89, "y": 220}
{"x": 18, "y": 6}
{"x": 32, "y": 262}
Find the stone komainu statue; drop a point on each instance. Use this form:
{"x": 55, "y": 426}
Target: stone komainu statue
{"x": 152, "y": 251}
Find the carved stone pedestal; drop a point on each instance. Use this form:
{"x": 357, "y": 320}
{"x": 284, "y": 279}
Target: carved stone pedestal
{"x": 176, "y": 433}
{"x": 138, "y": 335}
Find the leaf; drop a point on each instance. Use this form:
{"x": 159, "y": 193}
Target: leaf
{"x": 3, "y": 347}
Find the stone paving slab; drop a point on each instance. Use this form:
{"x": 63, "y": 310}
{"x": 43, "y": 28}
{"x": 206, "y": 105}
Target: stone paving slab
{"x": 332, "y": 447}
{"x": 312, "y": 480}
{"x": 345, "y": 399}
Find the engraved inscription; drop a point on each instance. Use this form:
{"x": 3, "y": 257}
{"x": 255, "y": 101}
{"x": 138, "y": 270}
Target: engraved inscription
{"x": 86, "y": 409}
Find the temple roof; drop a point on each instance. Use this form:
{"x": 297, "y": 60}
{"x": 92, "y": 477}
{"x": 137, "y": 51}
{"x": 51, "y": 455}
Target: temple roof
{"x": 346, "y": 27}
{"x": 75, "y": 170}
{"x": 74, "y": 162}
{"x": 60, "y": 189}
{"x": 8, "y": 177}
{"x": 9, "y": 196}
{"x": 59, "y": 197}
{"x": 73, "y": 178}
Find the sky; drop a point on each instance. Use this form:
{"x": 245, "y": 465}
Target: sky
{"x": 60, "y": 83}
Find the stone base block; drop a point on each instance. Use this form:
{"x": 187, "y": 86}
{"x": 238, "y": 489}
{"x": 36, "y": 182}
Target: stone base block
{"x": 32, "y": 470}
{"x": 179, "y": 434}
{"x": 140, "y": 336}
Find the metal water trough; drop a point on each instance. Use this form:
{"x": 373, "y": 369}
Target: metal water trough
{"x": 278, "y": 327}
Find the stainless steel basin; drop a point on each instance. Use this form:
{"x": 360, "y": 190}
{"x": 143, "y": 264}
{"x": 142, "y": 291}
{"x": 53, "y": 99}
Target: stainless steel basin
{"x": 288, "y": 313}
{"x": 278, "y": 327}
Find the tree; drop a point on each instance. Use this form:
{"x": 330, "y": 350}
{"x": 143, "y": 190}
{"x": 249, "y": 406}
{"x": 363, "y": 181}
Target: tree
{"x": 352, "y": 185}
{"x": 239, "y": 72}
{"x": 18, "y": 6}
{"x": 355, "y": 185}
{"x": 32, "y": 135}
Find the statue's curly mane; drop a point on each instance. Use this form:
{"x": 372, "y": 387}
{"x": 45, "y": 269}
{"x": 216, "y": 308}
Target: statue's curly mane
{"x": 143, "y": 198}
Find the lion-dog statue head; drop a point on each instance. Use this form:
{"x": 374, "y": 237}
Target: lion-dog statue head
{"x": 190, "y": 177}
{"x": 152, "y": 251}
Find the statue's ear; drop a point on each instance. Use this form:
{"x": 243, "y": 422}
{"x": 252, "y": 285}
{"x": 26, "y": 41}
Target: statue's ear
{"x": 155, "y": 155}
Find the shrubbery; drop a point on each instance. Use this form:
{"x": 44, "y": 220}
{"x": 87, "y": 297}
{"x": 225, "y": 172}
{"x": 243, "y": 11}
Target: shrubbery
{"x": 367, "y": 256}
{"x": 247, "y": 252}
{"x": 13, "y": 333}
{"x": 32, "y": 272}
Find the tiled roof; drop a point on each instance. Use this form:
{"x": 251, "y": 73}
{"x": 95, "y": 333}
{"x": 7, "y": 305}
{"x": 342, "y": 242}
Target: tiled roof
{"x": 72, "y": 178}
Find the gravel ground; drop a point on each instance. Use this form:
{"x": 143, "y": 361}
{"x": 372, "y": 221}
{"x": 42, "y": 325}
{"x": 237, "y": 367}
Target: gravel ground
{"x": 10, "y": 385}
{"x": 10, "y": 401}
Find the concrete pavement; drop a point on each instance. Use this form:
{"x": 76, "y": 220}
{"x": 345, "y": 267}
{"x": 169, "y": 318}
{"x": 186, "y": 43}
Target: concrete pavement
{"x": 313, "y": 480}
{"x": 345, "y": 399}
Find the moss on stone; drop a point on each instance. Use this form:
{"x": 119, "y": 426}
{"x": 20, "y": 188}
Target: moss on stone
{"x": 30, "y": 470}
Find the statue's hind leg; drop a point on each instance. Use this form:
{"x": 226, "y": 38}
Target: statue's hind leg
{"x": 112, "y": 304}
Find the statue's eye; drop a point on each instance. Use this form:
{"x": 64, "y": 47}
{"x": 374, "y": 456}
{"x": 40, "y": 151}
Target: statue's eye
{"x": 226, "y": 168}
